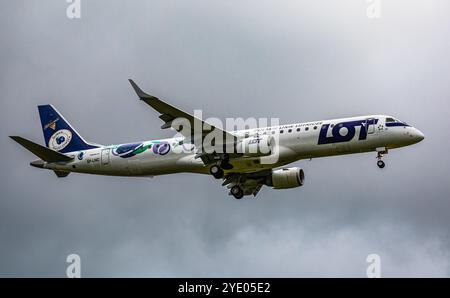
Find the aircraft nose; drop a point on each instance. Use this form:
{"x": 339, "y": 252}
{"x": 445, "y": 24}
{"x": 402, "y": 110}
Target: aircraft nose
{"x": 418, "y": 135}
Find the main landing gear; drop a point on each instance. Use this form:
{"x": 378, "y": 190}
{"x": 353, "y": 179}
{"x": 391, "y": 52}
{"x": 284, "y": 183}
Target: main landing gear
{"x": 380, "y": 162}
{"x": 217, "y": 169}
{"x": 237, "y": 192}
{"x": 225, "y": 163}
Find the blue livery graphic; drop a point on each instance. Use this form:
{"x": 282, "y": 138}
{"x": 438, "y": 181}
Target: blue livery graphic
{"x": 132, "y": 149}
{"x": 127, "y": 150}
{"x": 337, "y": 137}
{"x": 80, "y": 155}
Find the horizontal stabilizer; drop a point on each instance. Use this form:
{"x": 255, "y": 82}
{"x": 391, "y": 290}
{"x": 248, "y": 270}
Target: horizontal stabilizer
{"x": 42, "y": 152}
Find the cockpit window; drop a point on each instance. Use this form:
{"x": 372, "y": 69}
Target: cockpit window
{"x": 394, "y": 122}
{"x": 390, "y": 120}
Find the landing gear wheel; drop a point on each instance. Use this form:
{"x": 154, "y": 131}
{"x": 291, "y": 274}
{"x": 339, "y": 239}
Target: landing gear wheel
{"x": 381, "y": 152}
{"x": 237, "y": 192}
{"x": 216, "y": 171}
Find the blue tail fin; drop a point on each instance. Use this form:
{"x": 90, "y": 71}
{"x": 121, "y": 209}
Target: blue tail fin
{"x": 58, "y": 133}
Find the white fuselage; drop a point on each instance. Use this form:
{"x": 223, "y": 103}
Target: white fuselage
{"x": 296, "y": 141}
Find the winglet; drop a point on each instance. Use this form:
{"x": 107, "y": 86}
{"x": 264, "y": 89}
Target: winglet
{"x": 139, "y": 91}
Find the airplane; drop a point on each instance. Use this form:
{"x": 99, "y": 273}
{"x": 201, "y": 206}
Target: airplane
{"x": 244, "y": 171}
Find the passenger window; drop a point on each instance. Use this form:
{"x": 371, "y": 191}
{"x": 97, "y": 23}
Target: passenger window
{"x": 315, "y": 127}
{"x": 307, "y": 128}
{"x": 290, "y": 130}
{"x": 298, "y": 129}
{"x": 281, "y": 131}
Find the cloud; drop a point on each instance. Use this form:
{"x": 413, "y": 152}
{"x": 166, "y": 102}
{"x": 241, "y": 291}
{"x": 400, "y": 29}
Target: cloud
{"x": 296, "y": 60}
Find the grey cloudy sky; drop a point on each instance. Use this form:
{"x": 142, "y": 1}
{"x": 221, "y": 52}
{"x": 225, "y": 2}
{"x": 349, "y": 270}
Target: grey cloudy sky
{"x": 296, "y": 60}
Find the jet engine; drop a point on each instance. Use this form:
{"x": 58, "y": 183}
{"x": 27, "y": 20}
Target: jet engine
{"x": 256, "y": 146}
{"x": 286, "y": 178}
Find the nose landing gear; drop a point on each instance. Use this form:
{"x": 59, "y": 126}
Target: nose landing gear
{"x": 380, "y": 162}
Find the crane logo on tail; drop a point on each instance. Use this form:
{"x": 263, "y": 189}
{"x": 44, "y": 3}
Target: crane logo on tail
{"x": 51, "y": 124}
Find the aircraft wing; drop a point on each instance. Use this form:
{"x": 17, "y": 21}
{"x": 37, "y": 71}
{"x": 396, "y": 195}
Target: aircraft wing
{"x": 170, "y": 114}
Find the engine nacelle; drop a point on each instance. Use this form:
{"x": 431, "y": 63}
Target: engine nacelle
{"x": 256, "y": 146}
{"x": 286, "y": 178}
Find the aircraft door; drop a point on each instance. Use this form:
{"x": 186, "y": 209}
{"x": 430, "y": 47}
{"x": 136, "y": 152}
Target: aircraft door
{"x": 370, "y": 125}
{"x": 105, "y": 157}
